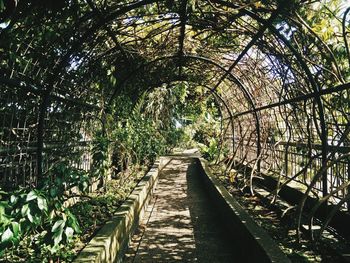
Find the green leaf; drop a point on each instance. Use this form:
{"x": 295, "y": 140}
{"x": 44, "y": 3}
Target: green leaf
{"x": 57, "y": 236}
{"x": 7, "y": 235}
{"x": 4, "y": 205}
{"x": 69, "y": 233}
{"x": 58, "y": 226}
{"x": 2, "y": 210}
{"x": 16, "y": 228}
{"x": 42, "y": 204}
{"x": 25, "y": 210}
{"x": 54, "y": 249}
{"x": 30, "y": 217}
{"x": 31, "y": 195}
{"x": 73, "y": 222}
{"x": 13, "y": 199}
{"x": 51, "y": 214}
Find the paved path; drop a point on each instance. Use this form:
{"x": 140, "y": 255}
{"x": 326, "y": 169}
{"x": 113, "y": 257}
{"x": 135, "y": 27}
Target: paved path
{"x": 181, "y": 225}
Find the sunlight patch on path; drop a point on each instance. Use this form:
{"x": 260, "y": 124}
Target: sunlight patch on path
{"x": 180, "y": 225}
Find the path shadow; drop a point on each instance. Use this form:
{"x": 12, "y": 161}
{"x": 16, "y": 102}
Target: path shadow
{"x": 214, "y": 241}
{"x": 181, "y": 224}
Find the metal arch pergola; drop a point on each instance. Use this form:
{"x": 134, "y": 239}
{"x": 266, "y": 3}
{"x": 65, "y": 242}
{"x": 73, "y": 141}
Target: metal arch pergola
{"x": 52, "y": 86}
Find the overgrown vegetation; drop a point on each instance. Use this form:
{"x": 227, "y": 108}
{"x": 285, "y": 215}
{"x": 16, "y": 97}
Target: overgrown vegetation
{"x": 36, "y": 222}
{"x": 47, "y": 230}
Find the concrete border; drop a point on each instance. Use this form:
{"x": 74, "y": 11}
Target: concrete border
{"x": 112, "y": 239}
{"x": 260, "y": 246}
{"x": 293, "y": 196}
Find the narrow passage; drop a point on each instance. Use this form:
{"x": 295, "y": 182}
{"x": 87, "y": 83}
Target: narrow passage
{"x": 181, "y": 224}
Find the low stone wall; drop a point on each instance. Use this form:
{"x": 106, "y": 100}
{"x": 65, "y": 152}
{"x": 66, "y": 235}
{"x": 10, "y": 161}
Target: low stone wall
{"x": 293, "y": 196}
{"x": 260, "y": 246}
{"x": 112, "y": 239}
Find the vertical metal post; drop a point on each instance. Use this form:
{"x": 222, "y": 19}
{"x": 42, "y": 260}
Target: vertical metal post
{"x": 258, "y": 142}
{"x": 40, "y": 135}
{"x": 324, "y": 176}
{"x": 233, "y": 134}
{"x": 286, "y": 149}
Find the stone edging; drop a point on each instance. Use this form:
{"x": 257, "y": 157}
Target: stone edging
{"x": 260, "y": 246}
{"x": 112, "y": 239}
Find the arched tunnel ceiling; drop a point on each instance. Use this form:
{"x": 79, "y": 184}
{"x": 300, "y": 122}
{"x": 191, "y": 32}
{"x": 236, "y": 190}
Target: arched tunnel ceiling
{"x": 255, "y": 55}
{"x": 89, "y": 89}
{"x": 262, "y": 43}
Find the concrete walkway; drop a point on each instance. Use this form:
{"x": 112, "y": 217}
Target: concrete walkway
{"x": 181, "y": 224}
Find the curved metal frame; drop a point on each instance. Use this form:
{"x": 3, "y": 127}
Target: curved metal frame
{"x": 102, "y": 22}
{"x": 240, "y": 85}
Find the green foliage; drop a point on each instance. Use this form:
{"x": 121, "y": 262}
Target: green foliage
{"x": 174, "y": 137}
{"x": 41, "y": 212}
{"x": 62, "y": 177}
{"x": 100, "y": 155}
{"x": 211, "y": 151}
{"x": 147, "y": 130}
{"x": 205, "y": 130}
{"x": 324, "y": 19}
{"x": 29, "y": 212}
{"x": 95, "y": 211}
